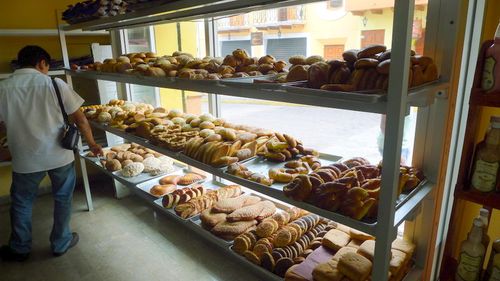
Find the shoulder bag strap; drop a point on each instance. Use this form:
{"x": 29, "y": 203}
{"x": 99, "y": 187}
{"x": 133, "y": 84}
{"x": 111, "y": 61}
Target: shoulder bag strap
{"x": 61, "y": 105}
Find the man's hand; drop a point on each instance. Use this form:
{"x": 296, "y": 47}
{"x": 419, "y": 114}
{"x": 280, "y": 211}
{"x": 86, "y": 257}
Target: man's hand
{"x": 96, "y": 149}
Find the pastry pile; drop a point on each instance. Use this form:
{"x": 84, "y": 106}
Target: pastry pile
{"x": 348, "y": 254}
{"x": 230, "y": 217}
{"x": 282, "y": 240}
{"x": 133, "y": 159}
{"x": 185, "y": 65}
{"x": 350, "y": 188}
{"x": 365, "y": 69}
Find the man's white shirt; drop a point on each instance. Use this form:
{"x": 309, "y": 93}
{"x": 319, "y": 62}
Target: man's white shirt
{"x": 33, "y": 117}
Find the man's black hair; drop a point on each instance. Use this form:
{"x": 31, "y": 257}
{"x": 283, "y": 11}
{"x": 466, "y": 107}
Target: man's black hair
{"x": 31, "y": 55}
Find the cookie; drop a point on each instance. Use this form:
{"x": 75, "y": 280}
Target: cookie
{"x": 252, "y": 257}
{"x": 260, "y": 249}
{"x": 266, "y": 228}
{"x": 241, "y": 244}
{"x": 247, "y": 213}
{"x": 230, "y": 230}
{"x": 267, "y": 261}
{"x": 211, "y": 219}
{"x": 283, "y": 238}
{"x": 282, "y": 265}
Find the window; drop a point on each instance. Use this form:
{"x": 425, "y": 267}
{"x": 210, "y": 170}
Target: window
{"x": 283, "y": 48}
{"x": 333, "y": 51}
{"x": 371, "y": 37}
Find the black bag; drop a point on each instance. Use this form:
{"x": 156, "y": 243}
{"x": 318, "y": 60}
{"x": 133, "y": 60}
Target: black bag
{"x": 70, "y": 136}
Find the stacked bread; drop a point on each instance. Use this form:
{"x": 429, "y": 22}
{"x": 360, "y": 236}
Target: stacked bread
{"x": 299, "y": 71}
{"x": 282, "y": 240}
{"x": 133, "y": 159}
{"x": 185, "y": 65}
{"x": 350, "y": 188}
{"x": 230, "y": 217}
{"x": 198, "y": 204}
{"x": 348, "y": 254}
{"x": 168, "y": 186}
{"x": 367, "y": 69}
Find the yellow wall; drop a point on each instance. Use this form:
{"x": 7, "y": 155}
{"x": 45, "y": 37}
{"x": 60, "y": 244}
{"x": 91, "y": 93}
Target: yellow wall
{"x": 35, "y": 14}
{"x": 166, "y": 44}
{"x": 470, "y": 210}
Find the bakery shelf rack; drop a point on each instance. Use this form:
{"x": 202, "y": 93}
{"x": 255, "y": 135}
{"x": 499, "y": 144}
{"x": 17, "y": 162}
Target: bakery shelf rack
{"x": 431, "y": 99}
{"x": 418, "y": 97}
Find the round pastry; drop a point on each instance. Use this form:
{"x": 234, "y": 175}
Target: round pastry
{"x": 297, "y": 60}
{"x": 267, "y": 59}
{"x": 297, "y": 73}
{"x": 371, "y": 51}
{"x": 350, "y": 55}
{"x": 314, "y": 59}
{"x": 240, "y": 54}
{"x": 366, "y": 63}
{"x": 282, "y": 265}
{"x": 206, "y": 125}
{"x": 132, "y": 169}
{"x": 104, "y": 117}
{"x": 160, "y": 190}
{"x": 175, "y": 113}
{"x": 113, "y": 165}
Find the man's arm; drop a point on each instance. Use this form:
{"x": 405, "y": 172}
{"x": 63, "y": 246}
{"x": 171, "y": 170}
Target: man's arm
{"x": 84, "y": 127}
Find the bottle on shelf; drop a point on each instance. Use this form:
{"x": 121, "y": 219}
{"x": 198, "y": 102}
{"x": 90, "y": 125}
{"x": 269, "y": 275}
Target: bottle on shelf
{"x": 491, "y": 71}
{"x": 472, "y": 252}
{"x": 493, "y": 271}
{"x": 485, "y": 176}
{"x": 484, "y": 215}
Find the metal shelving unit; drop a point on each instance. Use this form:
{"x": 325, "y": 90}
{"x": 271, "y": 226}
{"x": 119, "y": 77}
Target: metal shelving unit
{"x": 429, "y": 98}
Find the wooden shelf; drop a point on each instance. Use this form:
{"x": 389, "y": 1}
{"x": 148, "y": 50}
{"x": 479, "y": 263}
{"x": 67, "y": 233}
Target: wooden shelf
{"x": 449, "y": 268}
{"x": 491, "y": 199}
{"x": 480, "y": 98}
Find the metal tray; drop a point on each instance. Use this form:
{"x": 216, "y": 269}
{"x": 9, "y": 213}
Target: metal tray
{"x": 209, "y": 185}
{"x": 249, "y": 83}
{"x": 262, "y": 166}
{"x": 179, "y": 170}
{"x": 361, "y": 96}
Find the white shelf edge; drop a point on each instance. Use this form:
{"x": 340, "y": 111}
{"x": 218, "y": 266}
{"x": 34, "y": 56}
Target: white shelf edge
{"x": 48, "y": 32}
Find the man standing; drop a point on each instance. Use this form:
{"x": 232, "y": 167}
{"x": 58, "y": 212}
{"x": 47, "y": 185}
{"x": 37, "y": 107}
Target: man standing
{"x": 33, "y": 118}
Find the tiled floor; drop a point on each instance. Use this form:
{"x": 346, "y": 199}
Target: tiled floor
{"x": 120, "y": 240}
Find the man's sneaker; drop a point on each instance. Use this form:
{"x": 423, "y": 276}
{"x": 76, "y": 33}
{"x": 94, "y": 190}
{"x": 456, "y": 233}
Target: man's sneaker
{"x": 73, "y": 242}
{"x": 7, "y": 254}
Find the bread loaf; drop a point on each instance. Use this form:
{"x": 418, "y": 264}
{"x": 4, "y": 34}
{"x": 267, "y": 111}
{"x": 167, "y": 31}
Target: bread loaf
{"x": 318, "y": 75}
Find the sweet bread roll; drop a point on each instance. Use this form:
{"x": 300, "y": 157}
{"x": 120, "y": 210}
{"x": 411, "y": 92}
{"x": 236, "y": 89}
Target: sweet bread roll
{"x": 366, "y": 63}
{"x": 279, "y": 66}
{"x": 350, "y": 55}
{"x": 431, "y": 73}
{"x": 297, "y": 60}
{"x": 160, "y": 190}
{"x": 418, "y": 76}
{"x": 318, "y": 75}
{"x": 240, "y": 54}
{"x": 335, "y": 239}
{"x": 371, "y": 51}
{"x": 113, "y": 165}
{"x": 267, "y": 59}
{"x": 298, "y": 73}
{"x": 384, "y": 67}
{"x": 327, "y": 271}
{"x": 314, "y": 59}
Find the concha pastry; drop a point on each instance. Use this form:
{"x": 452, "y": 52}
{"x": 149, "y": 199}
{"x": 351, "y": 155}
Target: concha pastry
{"x": 189, "y": 178}
{"x": 132, "y": 169}
{"x": 151, "y": 164}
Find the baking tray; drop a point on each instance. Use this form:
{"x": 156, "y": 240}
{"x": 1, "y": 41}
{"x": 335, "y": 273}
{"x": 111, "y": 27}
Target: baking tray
{"x": 360, "y": 96}
{"x": 209, "y": 185}
{"x": 179, "y": 170}
{"x": 262, "y": 166}
{"x": 249, "y": 82}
